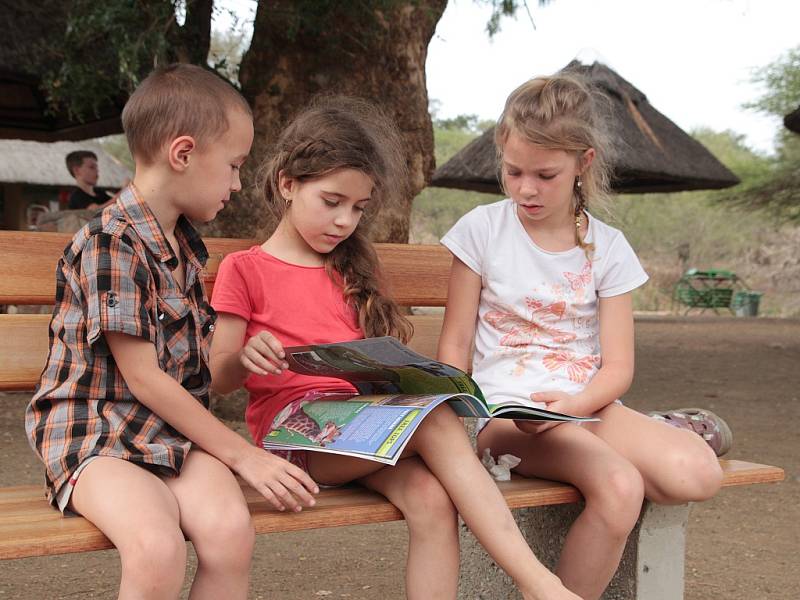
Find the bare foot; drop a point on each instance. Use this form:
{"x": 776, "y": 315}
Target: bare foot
{"x": 551, "y": 589}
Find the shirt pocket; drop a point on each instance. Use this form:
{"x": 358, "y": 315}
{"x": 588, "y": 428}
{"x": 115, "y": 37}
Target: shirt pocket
{"x": 207, "y": 318}
{"x": 176, "y": 330}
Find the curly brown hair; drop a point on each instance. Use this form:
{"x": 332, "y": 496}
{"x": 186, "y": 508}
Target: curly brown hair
{"x": 340, "y": 132}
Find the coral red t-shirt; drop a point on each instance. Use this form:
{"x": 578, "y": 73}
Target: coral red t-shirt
{"x": 299, "y": 306}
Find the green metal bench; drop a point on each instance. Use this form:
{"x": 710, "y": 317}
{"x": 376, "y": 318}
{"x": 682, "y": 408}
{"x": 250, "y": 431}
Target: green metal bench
{"x": 707, "y": 290}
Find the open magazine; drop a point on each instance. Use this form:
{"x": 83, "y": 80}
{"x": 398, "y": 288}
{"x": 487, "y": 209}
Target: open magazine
{"x": 397, "y": 388}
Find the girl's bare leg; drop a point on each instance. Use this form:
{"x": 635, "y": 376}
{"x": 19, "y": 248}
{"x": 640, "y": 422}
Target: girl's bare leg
{"x": 215, "y": 517}
{"x": 442, "y": 443}
{"x": 677, "y": 465}
{"x": 433, "y": 552}
{"x": 611, "y": 485}
{"x": 444, "y": 446}
{"x": 139, "y": 514}
{"x": 433, "y": 559}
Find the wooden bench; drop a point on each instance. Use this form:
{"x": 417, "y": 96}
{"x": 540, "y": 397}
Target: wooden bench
{"x": 418, "y": 277}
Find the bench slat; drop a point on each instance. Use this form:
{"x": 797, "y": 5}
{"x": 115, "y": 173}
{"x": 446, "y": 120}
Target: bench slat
{"x": 22, "y": 361}
{"x": 416, "y": 274}
{"x": 30, "y": 527}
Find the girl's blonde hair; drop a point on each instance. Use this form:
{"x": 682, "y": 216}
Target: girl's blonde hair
{"x": 339, "y": 132}
{"x": 562, "y": 112}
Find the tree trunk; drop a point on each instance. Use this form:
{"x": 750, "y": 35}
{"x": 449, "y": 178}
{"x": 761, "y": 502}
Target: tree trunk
{"x": 298, "y": 52}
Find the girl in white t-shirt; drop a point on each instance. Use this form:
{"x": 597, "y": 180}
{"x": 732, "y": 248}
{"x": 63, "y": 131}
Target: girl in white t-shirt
{"x": 545, "y": 289}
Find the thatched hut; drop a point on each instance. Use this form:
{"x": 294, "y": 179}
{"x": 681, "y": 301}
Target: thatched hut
{"x": 34, "y": 174}
{"x": 792, "y": 120}
{"x": 651, "y": 153}
{"x": 24, "y": 112}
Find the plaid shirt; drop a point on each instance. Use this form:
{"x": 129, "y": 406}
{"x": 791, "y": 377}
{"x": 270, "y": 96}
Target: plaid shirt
{"x": 116, "y": 275}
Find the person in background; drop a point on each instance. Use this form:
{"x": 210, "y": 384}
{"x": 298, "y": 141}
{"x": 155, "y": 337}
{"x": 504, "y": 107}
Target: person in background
{"x": 82, "y": 165}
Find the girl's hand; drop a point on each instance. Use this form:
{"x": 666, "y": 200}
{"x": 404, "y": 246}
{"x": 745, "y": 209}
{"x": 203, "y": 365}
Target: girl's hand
{"x": 283, "y": 484}
{"x": 560, "y": 402}
{"x": 263, "y": 354}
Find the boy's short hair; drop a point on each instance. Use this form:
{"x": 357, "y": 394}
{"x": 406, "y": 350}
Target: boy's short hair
{"x": 179, "y": 99}
{"x": 75, "y": 159}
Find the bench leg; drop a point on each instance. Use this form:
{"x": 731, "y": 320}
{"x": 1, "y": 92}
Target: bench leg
{"x": 652, "y": 566}
{"x": 661, "y": 551}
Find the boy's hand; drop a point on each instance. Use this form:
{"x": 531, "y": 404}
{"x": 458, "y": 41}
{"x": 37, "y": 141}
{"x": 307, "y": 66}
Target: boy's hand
{"x": 556, "y": 402}
{"x": 263, "y": 354}
{"x": 283, "y": 484}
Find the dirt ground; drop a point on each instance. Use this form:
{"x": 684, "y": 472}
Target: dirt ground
{"x": 742, "y": 545}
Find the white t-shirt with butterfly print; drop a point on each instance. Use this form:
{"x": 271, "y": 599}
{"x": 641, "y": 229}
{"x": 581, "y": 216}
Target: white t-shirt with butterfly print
{"x": 538, "y": 329}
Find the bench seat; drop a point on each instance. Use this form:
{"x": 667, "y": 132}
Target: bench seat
{"x": 417, "y": 276}
{"x": 29, "y": 526}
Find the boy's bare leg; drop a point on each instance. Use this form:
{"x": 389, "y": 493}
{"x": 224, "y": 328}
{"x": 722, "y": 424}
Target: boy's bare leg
{"x": 215, "y": 517}
{"x": 677, "y": 466}
{"x": 140, "y": 515}
{"x": 611, "y": 485}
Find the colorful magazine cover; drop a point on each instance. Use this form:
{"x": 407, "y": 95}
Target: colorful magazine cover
{"x": 397, "y": 388}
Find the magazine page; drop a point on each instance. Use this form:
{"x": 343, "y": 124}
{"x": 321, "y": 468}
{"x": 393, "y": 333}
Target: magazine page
{"x": 465, "y": 405}
{"x": 380, "y": 366}
{"x": 528, "y": 410}
{"x": 371, "y": 427}
{"x": 385, "y": 366}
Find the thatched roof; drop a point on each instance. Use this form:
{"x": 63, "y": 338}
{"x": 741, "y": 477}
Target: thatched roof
{"x": 23, "y": 106}
{"x": 792, "y": 120}
{"x": 651, "y": 153}
{"x": 43, "y": 164}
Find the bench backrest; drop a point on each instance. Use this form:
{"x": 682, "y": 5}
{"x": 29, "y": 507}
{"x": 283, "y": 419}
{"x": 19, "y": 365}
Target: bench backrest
{"x": 416, "y": 275}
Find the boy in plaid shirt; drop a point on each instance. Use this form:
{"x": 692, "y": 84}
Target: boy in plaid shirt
{"x": 120, "y": 417}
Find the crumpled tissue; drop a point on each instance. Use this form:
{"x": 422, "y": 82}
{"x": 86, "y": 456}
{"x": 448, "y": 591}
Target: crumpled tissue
{"x": 501, "y": 469}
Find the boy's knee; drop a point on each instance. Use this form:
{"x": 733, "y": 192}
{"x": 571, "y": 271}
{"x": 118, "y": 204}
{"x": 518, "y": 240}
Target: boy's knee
{"x": 155, "y": 555}
{"x": 228, "y": 538}
{"x": 237, "y": 529}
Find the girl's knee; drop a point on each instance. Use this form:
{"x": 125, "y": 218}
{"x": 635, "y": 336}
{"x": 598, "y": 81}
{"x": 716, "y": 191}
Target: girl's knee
{"x": 706, "y": 472}
{"x": 426, "y": 504}
{"x": 618, "y": 501}
{"x": 441, "y": 424}
{"x": 693, "y": 474}
{"x": 441, "y": 417}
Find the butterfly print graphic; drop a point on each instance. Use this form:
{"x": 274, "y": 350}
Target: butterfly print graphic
{"x": 578, "y": 281}
{"x": 578, "y": 367}
{"x": 539, "y": 327}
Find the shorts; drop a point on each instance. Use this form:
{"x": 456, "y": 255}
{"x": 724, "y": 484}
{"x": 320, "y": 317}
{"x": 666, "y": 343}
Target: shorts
{"x": 65, "y": 493}
{"x": 298, "y": 458}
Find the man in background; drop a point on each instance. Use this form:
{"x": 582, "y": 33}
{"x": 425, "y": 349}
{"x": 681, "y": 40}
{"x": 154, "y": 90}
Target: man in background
{"x": 82, "y": 165}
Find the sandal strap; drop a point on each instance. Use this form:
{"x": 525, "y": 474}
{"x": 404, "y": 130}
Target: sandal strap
{"x": 703, "y": 422}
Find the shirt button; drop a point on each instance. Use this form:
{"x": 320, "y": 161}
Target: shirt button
{"x": 211, "y": 328}
{"x": 111, "y": 300}
{"x": 160, "y": 316}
